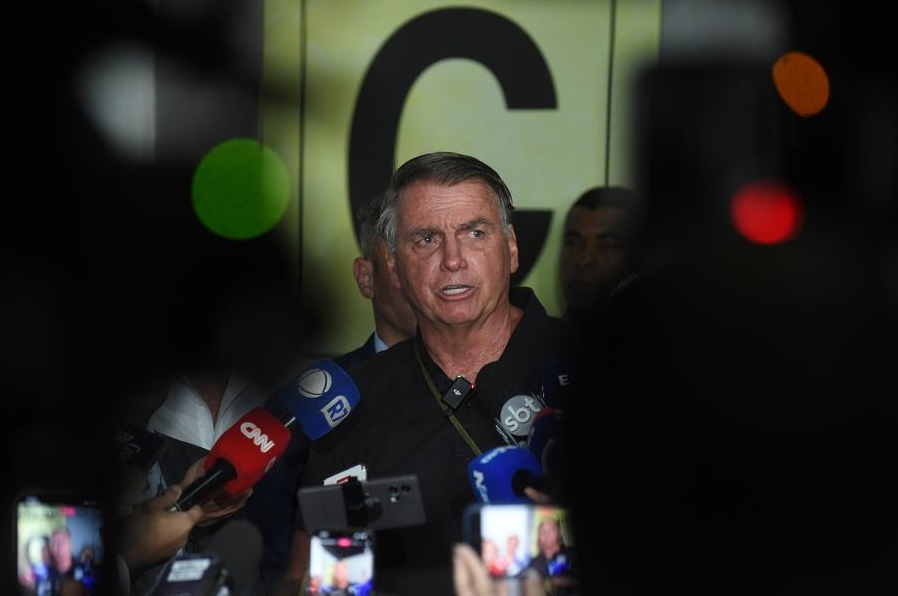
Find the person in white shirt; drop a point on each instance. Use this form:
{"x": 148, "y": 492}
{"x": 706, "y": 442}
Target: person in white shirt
{"x": 191, "y": 412}
{"x": 197, "y": 410}
{"x": 200, "y": 408}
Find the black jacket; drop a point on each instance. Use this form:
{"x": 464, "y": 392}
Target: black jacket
{"x": 399, "y": 428}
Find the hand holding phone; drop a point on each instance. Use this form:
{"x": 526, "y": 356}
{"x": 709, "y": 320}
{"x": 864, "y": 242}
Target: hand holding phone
{"x": 59, "y": 542}
{"x": 513, "y": 539}
{"x": 471, "y": 578}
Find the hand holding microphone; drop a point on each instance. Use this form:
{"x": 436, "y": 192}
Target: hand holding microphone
{"x": 239, "y": 458}
{"x": 218, "y": 506}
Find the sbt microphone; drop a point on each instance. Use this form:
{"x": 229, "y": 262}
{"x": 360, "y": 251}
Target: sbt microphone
{"x": 319, "y": 398}
{"x": 501, "y": 474}
{"x": 239, "y": 458}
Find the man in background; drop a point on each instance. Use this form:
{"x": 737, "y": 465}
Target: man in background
{"x": 393, "y": 317}
{"x": 601, "y": 248}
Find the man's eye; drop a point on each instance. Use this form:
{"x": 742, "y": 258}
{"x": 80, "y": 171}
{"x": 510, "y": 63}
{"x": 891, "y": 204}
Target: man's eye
{"x": 426, "y": 239}
{"x": 477, "y": 233}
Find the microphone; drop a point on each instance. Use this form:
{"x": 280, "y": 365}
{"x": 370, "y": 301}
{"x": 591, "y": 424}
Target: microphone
{"x": 558, "y": 389}
{"x": 501, "y": 474}
{"x": 319, "y": 398}
{"x": 546, "y": 431}
{"x": 239, "y": 458}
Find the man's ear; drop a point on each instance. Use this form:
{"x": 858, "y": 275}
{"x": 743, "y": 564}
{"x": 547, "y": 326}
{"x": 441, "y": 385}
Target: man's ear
{"x": 362, "y": 270}
{"x": 513, "y": 249}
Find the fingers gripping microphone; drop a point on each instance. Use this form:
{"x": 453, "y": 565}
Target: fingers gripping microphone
{"x": 501, "y": 474}
{"x": 239, "y": 458}
{"x": 319, "y": 398}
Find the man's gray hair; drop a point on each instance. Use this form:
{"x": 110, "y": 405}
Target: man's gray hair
{"x": 445, "y": 168}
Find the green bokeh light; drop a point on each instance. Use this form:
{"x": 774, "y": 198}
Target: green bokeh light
{"x": 240, "y": 189}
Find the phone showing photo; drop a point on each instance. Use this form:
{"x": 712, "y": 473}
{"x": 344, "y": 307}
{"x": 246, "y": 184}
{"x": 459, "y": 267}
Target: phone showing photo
{"x": 341, "y": 563}
{"x": 514, "y": 537}
{"x": 59, "y": 543}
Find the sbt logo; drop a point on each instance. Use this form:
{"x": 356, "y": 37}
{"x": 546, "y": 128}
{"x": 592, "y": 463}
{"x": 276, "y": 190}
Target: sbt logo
{"x": 518, "y": 413}
{"x": 253, "y": 433}
{"x": 336, "y": 410}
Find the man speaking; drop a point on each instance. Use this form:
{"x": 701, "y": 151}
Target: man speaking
{"x": 432, "y": 403}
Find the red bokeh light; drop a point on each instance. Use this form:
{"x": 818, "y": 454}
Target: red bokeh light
{"x": 766, "y": 212}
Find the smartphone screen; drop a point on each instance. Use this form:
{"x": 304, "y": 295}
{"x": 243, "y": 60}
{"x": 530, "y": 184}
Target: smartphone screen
{"x": 514, "y": 537}
{"x": 341, "y": 563}
{"x": 59, "y": 542}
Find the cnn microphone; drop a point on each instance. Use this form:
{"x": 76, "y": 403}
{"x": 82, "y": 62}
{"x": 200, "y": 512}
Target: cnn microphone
{"x": 239, "y": 458}
{"x": 501, "y": 474}
{"x": 319, "y": 398}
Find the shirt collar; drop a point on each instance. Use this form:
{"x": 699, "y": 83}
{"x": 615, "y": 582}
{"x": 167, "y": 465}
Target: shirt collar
{"x": 379, "y": 344}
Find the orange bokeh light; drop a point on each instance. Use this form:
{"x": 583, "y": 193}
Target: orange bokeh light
{"x": 802, "y": 83}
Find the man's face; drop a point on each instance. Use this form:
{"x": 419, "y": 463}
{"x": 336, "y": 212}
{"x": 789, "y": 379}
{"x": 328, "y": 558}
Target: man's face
{"x": 61, "y": 550}
{"x": 595, "y": 255}
{"x": 341, "y": 575}
{"x": 549, "y": 535}
{"x": 452, "y": 258}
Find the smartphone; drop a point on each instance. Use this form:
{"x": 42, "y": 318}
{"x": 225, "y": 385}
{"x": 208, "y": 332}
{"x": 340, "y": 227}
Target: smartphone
{"x": 514, "y": 537}
{"x": 376, "y": 503}
{"x": 341, "y": 562}
{"x": 58, "y": 542}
